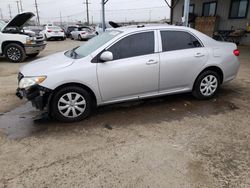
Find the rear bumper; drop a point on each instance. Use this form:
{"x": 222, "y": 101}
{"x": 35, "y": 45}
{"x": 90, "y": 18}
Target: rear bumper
{"x": 38, "y": 95}
{"x": 87, "y": 36}
{"x": 59, "y": 35}
{"x": 34, "y": 48}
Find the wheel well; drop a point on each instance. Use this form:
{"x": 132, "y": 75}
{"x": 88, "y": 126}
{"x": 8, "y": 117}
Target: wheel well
{"x": 5, "y": 43}
{"x": 78, "y": 85}
{"x": 215, "y": 69}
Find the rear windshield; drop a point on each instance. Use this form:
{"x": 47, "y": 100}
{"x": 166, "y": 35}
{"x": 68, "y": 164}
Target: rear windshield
{"x": 84, "y": 29}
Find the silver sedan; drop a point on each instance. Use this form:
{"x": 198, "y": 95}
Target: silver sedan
{"x": 82, "y": 33}
{"x": 128, "y": 63}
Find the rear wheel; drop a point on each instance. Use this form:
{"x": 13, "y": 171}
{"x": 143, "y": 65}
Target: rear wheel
{"x": 14, "y": 53}
{"x": 71, "y": 104}
{"x": 206, "y": 85}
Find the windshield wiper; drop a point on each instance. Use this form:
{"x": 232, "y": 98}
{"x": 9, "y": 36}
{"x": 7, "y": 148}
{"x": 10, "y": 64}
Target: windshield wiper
{"x": 73, "y": 53}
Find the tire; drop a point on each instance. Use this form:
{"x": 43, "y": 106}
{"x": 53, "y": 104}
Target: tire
{"x": 32, "y": 55}
{"x": 206, "y": 85}
{"x": 71, "y": 37}
{"x": 79, "y": 38}
{"x": 70, "y": 112}
{"x": 14, "y": 53}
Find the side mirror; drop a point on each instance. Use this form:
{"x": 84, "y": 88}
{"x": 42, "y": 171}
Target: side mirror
{"x": 106, "y": 56}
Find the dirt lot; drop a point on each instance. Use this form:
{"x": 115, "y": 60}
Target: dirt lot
{"x": 173, "y": 141}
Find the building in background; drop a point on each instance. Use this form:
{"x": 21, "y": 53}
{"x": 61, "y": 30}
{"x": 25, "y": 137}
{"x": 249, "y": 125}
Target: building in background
{"x": 213, "y": 16}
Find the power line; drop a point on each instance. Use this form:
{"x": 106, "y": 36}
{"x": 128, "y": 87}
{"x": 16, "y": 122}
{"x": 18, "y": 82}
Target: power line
{"x": 37, "y": 14}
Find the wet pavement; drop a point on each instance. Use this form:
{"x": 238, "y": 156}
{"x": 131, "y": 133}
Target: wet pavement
{"x": 25, "y": 121}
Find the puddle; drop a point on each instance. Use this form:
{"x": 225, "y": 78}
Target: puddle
{"x": 25, "y": 121}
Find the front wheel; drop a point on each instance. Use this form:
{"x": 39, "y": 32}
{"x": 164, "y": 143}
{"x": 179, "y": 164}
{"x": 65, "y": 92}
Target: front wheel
{"x": 71, "y": 104}
{"x": 206, "y": 85}
{"x": 14, "y": 53}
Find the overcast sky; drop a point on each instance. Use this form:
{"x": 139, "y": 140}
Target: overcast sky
{"x": 72, "y": 10}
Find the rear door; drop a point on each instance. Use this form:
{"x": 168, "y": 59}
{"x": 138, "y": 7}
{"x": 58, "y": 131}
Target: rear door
{"x": 182, "y": 57}
{"x": 134, "y": 71}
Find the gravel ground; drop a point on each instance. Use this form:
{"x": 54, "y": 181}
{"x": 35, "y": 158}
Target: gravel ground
{"x": 173, "y": 141}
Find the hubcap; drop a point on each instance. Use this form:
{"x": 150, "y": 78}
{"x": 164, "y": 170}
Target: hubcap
{"x": 71, "y": 105}
{"x": 208, "y": 85}
{"x": 14, "y": 53}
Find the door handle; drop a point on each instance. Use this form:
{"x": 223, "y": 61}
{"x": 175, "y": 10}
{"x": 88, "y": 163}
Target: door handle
{"x": 152, "y": 62}
{"x": 199, "y": 55}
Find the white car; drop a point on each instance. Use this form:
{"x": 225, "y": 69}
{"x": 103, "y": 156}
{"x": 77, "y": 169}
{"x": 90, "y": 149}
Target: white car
{"x": 53, "y": 32}
{"x": 128, "y": 63}
{"x": 16, "y": 43}
{"x": 99, "y": 28}
{"x": 82, "y": 33}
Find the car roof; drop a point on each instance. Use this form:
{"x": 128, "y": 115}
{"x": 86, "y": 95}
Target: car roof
{"x": 135, "y": 28}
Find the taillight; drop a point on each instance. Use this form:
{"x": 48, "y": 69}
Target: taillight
{"x": 83, "y": 33}
{"x": 236, "y": 52}
{"x": 61, "y": 31}
{"x": 49, "y": 31}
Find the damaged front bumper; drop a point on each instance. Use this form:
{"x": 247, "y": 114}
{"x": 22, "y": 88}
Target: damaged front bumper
{"x": 38, "y": 95}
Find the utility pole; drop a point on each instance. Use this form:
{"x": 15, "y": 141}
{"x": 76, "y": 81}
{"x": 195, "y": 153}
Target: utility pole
{"x": 61, "y": 18}
{"x": 10, "y": 12}
{"x": 18, "y": 9}
{"x": 37, "y": 14}
{"x": 87, "y": 9}
{"x": 21, "y": 5}
{"x": 103, "y": 14}
{"x": 186, "y": 12}
{"x": 1, "y": 14}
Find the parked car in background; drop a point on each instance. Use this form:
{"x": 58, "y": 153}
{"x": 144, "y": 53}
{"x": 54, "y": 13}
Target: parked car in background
{"x": 69, "y": 29}
{"x": 53, "y": 32}
{"x": 36, "y": 29}
{"x": 108, "y": 25}
{"x": 82, "y": 33}
{"x": 16, "y": 43}
{"x": 128, "y": 63}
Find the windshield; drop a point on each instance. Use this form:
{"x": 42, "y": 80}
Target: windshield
{"x": 2, "y": 24}
{"x": 95, "y": 43}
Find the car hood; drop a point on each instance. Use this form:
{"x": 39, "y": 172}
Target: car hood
{"x": 19, "y": 20}
{"x": 47, "y": 64}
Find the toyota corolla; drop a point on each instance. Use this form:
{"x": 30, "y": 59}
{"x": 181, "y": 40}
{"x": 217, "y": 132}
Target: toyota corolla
{"x": 128, "y": 63}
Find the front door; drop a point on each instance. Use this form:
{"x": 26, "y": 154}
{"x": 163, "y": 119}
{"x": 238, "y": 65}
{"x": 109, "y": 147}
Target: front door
{"x": 134, "y": 70}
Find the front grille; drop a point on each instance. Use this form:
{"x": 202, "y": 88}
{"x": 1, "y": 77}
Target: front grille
{"x": 20, "y": 76}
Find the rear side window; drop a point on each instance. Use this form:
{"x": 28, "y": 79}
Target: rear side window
{"x": 178, "y": 40}
{"x": 133, "y": 45}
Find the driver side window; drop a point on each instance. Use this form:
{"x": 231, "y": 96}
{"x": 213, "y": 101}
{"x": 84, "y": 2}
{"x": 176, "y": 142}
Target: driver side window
{"x": 134, "y": 45}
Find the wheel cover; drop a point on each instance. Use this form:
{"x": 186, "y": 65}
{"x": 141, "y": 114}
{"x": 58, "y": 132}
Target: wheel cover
{"x": 71, "y": 105}
{"x": 208, "y": 85}
{"x": 14, "y": 53}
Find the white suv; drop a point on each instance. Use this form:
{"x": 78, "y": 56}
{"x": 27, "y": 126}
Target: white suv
{"x": 15, "y": 43}
{"x": 128, "y": 64}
